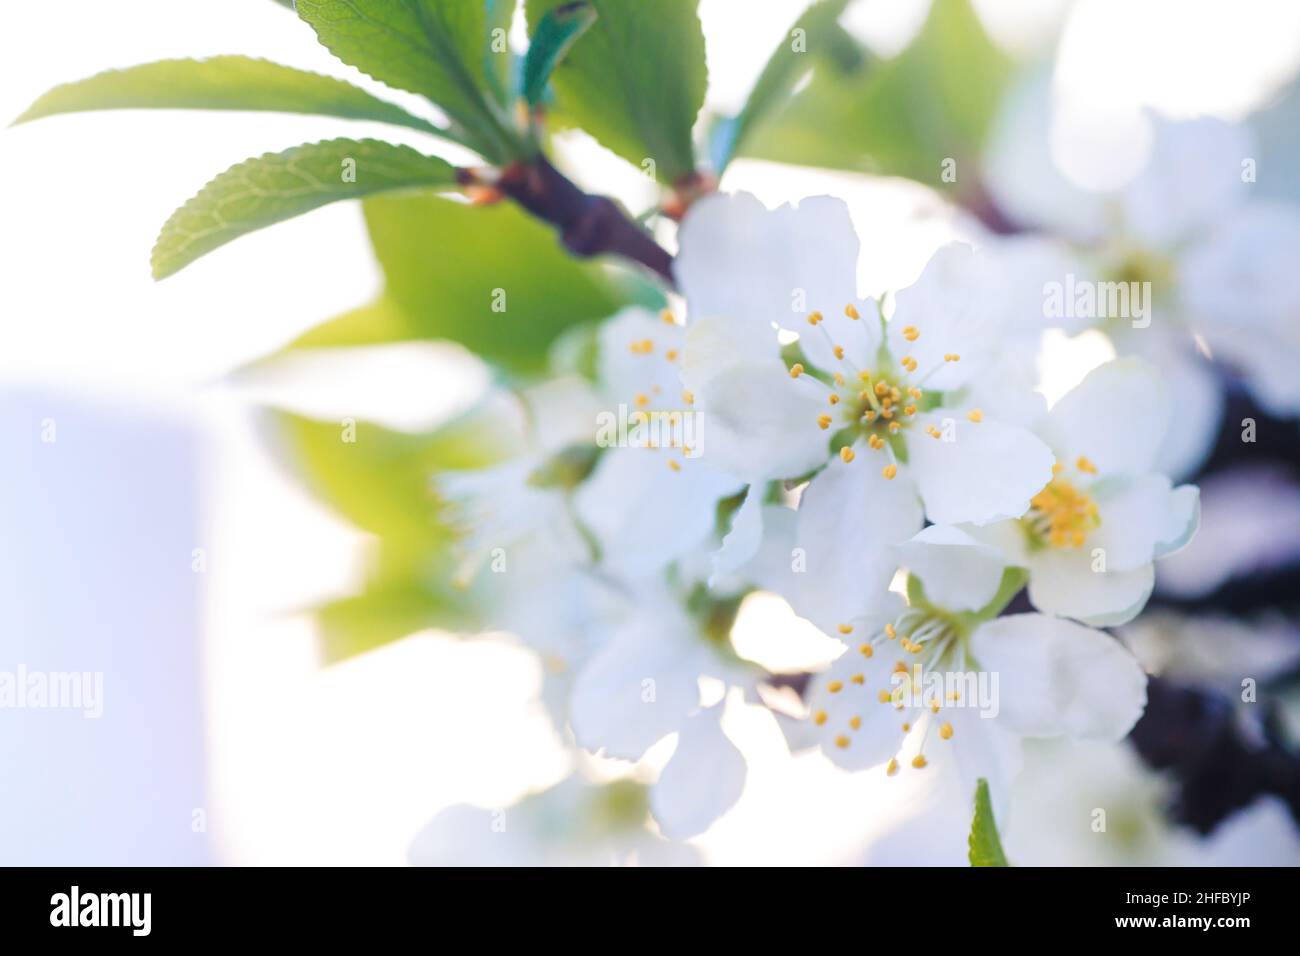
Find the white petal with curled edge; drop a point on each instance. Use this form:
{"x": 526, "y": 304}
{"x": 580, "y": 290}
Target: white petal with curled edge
{"x": 1116, "y": 417}
{"x": 958, "y": 572}
{"x": 1135, "y": 517}
{"x": 1057, "y": 677}
{"x": 739, "y": 259}
{"x": 757, "y": 422}
{"x": 850, "y": 516}
{"x": 988, "y": 472}
{"x": 1063, "y": 582}
{"x": 640, "y": 687}
{"x": 1182, "y": 520}
{"x": 744, "y": 537}
{"x": 701, "y": 781}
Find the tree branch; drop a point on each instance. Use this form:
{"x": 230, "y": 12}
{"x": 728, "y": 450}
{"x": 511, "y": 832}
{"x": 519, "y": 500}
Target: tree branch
{"x": 588, "y": 225}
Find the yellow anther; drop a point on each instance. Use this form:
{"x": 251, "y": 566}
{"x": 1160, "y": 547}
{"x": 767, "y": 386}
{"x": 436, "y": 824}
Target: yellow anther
{"x": 919, "y": 761}
{"x": 865, "y": 376}
{"x": 908, "y": 363}
{"x": 855, "y": 721}
{"x": 886, "y": 413}
{"x": 883, "y": 696}
{"x": 688, "y": 397}
{"x": 642, "y": 400}
{"x": 819, "y": 718}
{"x": 672, "y": 463}
{"x": 869, "y": 416}
{"x": 906, "y": 727}
{"x": 914, "y": 392}
{"x": 881, "y": 388}
{"x": 934, "y": 707}
{"x": 846, "y": 454}
{"x": 834, "y": 399}
{"x": 876, "y": 442}
{"x": 823, "y": 422}
{"x": 894, "y": 427}
{"x": 945, "y": 730}
{"x": 839, "y": 351}
{"x": 1085, "y": 466}
{"x": 839, "y": 379}
{"x": 900, "y": 667}
{"x": 911, "y": 333}
{"x": 667, "y": 316}
{"x": 858, "y": 679}
{"x": 796, "y": 370}
{"x": 835, "y": 686}
{"x": 671, "y": 355}
{"x": 865, "y": 650}
{"x": 844, "y": 628}
{"x": 892, "y": 768}
{"x": 909, "y": 410}
{"x": 975, "y": 415}
{"x": 889, "y": 471}
{"x": 814, "y": 318}
{"x": 841, "y": 741}
{"x": 851, "y": 311}
{"x": 890, "y": 632}
{"x": 951, "y": 357}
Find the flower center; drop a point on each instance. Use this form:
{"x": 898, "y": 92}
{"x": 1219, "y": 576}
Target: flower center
{"x": 1062, "y": 515}
{"x": 873, "y": 404}
{"x": 934, "y": 640}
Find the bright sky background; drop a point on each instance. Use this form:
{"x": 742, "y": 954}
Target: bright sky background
{"x": 344, "y": 765}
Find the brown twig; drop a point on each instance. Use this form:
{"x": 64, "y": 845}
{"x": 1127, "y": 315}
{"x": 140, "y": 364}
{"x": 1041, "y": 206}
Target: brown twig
{"x": 588, "y": 225}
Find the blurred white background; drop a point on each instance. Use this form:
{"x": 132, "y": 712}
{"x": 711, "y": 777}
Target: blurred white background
{"x": 344, "y": 765}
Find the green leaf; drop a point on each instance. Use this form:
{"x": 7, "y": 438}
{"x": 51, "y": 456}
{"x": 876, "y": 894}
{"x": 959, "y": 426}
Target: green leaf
{"x": 635, "y": 80}
{"x": 905, "y": 116}
{"x": 437, "y": 48}
{"x": 808, "y": 40}
{"x": 556, "y": 33}
{"x": 444, "y": 263}
{"x": 380, "y": 481}
{"x": 221, "y": 83}
{"x": 985, "y": 846}
{"x": 278, "y": 186}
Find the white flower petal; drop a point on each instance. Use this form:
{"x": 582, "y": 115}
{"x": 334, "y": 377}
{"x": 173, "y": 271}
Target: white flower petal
{"x": 1182, "y": 519}
{"x": 980, "y": 748}
{"x": 738, "y": 259}
{"x": 1062, "y": 582}
{"x": 1116, "y": 417}
{"x": 645, "y": 513}
{"x": 639, "y": 687}
{"x": 758, "y": 422}
{"x": 743, "y": 539}
{"x": 1058, "y": 677}
{"x": 1191, "y": 181}
{"x": 701, "y": 781}
{"x": 989, "y": 472}
{"x": 958, "y": 572}
{"x": 958, "y": 306}
{"x": 1136, "y": 515}
{"x": 716, "y": 343}
{"x": 850, "y": 516}
{"x": 628, "y": 369}
{"x": 833, "y": 713}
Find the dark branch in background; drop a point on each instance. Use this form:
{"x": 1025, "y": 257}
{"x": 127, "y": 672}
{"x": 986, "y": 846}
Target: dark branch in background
{"x": 1222, "y": 759}
{"x": 588, "y": 225}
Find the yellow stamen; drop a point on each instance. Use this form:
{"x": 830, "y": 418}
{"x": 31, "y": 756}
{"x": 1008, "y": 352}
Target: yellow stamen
{"x": 835, "y": 686}
{"x": 834, "y": 398}
{"x": 844, "y": 628}
{"x": 883, "y": 697}
{"x": 866, "y": 650}
{"x": 919, "y": 761}
{"x": 975, "y": 415}
{"x": 890, "y": 632}
{"x": 889, "y": 471}
{"x": 851, "y": 311}
{"x": 841, "y": 741}
{"x": 846, "y": 454}
{"x": 796, "y": 370}
{"x": 911, "y": 333}
{"x": 839, "y": 351}
{"x": 688, "y": 397}
{"x": 814, "y": 318}
{"x": 819, "y": 718}
{"x": 858, "y": 679}
{"x": 823, "y": 422}
{"x": 945, "y": 730}
{"x": 892, "y": 768}
{"x": 1085, "y": 466}
{"x": 855, "y": 722}
{"x": 672, "y": 463}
